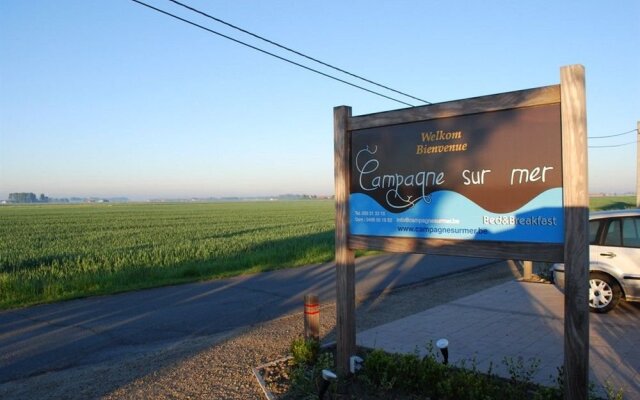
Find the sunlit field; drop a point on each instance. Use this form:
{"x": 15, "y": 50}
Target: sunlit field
{"x": 612, "y": 202}
{"x": 53, "y": 252}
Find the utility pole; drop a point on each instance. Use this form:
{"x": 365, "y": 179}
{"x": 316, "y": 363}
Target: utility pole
{"x": 638, "y": 165}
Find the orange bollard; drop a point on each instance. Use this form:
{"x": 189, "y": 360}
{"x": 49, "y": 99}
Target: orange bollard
{"x": 311, "y": 317}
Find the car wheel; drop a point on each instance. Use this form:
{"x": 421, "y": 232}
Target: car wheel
{"x": 604, "y": 293}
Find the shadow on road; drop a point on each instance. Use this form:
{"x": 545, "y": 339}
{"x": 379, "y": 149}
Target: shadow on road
{"x": 84, "y": 337}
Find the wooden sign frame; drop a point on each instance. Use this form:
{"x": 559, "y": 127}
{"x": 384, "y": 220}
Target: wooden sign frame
{"x": 574, "y": 252}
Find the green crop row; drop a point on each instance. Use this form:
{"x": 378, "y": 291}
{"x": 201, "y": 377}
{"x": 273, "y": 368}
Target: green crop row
{"x": 54, "y": 252}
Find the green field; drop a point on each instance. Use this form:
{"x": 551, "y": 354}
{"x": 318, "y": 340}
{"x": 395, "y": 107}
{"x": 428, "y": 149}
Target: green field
{"x": 54, "y": 252}
{"x": 612, "y": 202}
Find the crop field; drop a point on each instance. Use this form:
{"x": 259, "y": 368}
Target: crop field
{"x": 54, "y": 252}
{"x": 612, "y": 202}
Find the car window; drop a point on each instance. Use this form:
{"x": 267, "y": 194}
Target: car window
{"x": 593, "y": 231}
{"x": 631, "y": 232}
{"x": 613, "y": 234}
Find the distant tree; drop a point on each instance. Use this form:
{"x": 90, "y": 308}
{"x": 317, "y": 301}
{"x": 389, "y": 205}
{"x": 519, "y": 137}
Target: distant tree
{"x": 43, "y": 198}
{"x": 22, "y": 198}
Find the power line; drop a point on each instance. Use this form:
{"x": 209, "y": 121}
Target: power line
{"x": 271, "y": 54}
{"x": 295, "y": 51}
{"x": 608, "y": 136}
{"x": 614, "y": 145}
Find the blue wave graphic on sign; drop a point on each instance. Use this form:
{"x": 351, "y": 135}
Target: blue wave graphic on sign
{"x": 450, "y": 215}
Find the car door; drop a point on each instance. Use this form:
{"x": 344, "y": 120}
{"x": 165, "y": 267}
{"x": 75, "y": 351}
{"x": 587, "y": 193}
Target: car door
{"x": 620, "y": 253}
{"x": 630, "y": 255}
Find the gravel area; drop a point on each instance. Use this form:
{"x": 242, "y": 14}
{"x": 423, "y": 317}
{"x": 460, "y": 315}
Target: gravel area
{"x": 220, "y": 367}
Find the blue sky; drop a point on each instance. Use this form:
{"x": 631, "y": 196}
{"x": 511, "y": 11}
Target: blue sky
{"x": 108, "y": 98}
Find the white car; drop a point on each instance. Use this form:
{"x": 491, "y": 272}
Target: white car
{"x": 614, "y": 259}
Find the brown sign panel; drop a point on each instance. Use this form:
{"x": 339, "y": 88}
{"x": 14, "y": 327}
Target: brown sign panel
{"x": 486, "y": 176}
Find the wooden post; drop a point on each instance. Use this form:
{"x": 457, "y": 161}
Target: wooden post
{"x": 638, "y": 165}
{"x": 311, "y": 317}
{"x": 527, "y": 270}
{"x": 576, "y": 250}
{"x": 345, "y": 270}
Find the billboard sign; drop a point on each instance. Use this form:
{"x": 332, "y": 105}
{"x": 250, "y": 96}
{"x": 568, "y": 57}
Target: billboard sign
{"x": 490, "y": 176}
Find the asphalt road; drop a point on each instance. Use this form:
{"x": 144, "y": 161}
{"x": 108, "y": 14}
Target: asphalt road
{"x": 56, "y": 337}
